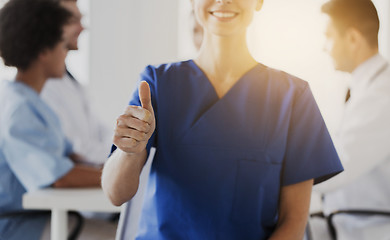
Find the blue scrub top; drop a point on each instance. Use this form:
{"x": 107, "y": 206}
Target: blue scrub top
{"x": 33, "y": 153}
{"x": 220, "y": 162}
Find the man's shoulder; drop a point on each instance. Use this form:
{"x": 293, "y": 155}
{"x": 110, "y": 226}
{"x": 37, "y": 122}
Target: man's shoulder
{"x": 60, "y": 83}
{"x": 381, "y": 83}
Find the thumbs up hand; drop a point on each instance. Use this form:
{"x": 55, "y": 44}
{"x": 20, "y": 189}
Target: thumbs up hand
{"x": 137, "y": 124}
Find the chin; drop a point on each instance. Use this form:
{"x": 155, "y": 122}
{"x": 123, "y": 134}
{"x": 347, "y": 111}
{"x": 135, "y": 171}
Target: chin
{"x": 337, "y": 67}
{"x": 58, "y": 76}
{"x": 73, "y": 47}
{"x": 340, "y": 68}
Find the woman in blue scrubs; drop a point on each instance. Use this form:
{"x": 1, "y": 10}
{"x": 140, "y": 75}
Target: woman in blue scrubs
{"x": 238, "y": 144}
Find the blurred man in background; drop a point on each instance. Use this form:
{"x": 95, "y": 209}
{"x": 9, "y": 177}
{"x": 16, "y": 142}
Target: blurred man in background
{"x": 90, "y": 137}
{"x": 362, "y": 139}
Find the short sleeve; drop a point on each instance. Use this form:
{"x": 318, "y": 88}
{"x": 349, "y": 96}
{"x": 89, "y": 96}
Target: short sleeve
{"x": 68, "y": 147}
{"x": 34, "y": 150}
{"x": 148, "y": 75}
{"x": 310, "y": 152}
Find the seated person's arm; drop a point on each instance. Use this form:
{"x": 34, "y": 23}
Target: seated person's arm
{"x": 77, "y": 158}
{"x": 80, "y": 176}
{"x": 293, "y": 211}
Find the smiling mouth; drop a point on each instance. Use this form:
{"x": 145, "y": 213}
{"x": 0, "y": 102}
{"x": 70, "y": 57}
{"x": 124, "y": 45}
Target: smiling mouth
{"x": 223, "y": 15}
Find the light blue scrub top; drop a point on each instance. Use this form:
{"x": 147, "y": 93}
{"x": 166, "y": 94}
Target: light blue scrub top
{"x": 220, "y": 162}
{"x": 33, "y": 153}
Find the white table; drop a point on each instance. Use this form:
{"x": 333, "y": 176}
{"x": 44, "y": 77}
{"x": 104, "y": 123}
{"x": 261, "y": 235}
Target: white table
{"x": 60, "y": 201}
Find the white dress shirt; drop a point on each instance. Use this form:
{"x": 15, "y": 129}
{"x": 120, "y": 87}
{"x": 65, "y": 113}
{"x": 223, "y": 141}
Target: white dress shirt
{"x": 89, "y": 136}
{"x": 362, "y": 143}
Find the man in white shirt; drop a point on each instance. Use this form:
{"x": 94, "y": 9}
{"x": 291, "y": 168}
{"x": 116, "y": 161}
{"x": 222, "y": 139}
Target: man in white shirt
{"x": 362, "y": 139}
{"x": 90, "y": 138}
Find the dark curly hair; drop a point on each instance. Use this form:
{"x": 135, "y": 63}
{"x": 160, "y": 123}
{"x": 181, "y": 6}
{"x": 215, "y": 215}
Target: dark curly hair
{"x": 29, "y": 27}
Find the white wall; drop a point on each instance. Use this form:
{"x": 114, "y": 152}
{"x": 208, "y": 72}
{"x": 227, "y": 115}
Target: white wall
{"x": 126, "y": 35}
{"x": 383, "y": 8}
{"x": 6, "y": 73}
{"x": 186, "y": 48}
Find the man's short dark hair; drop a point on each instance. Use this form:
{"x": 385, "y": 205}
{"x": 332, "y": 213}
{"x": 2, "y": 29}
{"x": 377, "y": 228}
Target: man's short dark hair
{"x": 358, "y": 14}
{"x": 29, "y": 27}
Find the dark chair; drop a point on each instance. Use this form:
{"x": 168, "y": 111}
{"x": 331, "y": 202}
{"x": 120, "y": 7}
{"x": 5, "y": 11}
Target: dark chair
{"x": 330, "y": 217}
{"x": 73, "y": 234}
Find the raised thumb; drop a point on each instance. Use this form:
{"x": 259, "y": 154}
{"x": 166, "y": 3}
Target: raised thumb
{"x": 144, "y": 95}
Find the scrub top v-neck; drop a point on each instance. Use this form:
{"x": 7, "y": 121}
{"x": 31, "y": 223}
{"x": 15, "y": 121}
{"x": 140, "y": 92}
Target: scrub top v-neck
{"x": 220, "y": 162}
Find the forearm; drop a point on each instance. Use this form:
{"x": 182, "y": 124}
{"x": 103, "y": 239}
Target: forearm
{"x": 291, "y": 229}
{"x": 132, "y": 133}
{"x": 80, "y": 176}
{"x": 293, "y": 211}
{"x": 120, "y": 178}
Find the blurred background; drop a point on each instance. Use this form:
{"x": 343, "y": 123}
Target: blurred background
{"x": 123, "y": 36}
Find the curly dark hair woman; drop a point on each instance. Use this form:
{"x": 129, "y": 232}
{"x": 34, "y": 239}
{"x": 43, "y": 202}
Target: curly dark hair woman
{"x": 34, "y": 152}
{"x": 27, "y": 28}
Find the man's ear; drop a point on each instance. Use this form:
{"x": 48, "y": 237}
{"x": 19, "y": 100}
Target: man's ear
{"x": 259, "y": 4}
{"x": 354, "y": 37}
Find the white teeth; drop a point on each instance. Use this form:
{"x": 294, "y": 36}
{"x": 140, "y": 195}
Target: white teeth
{"x": 224, "y": 14}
